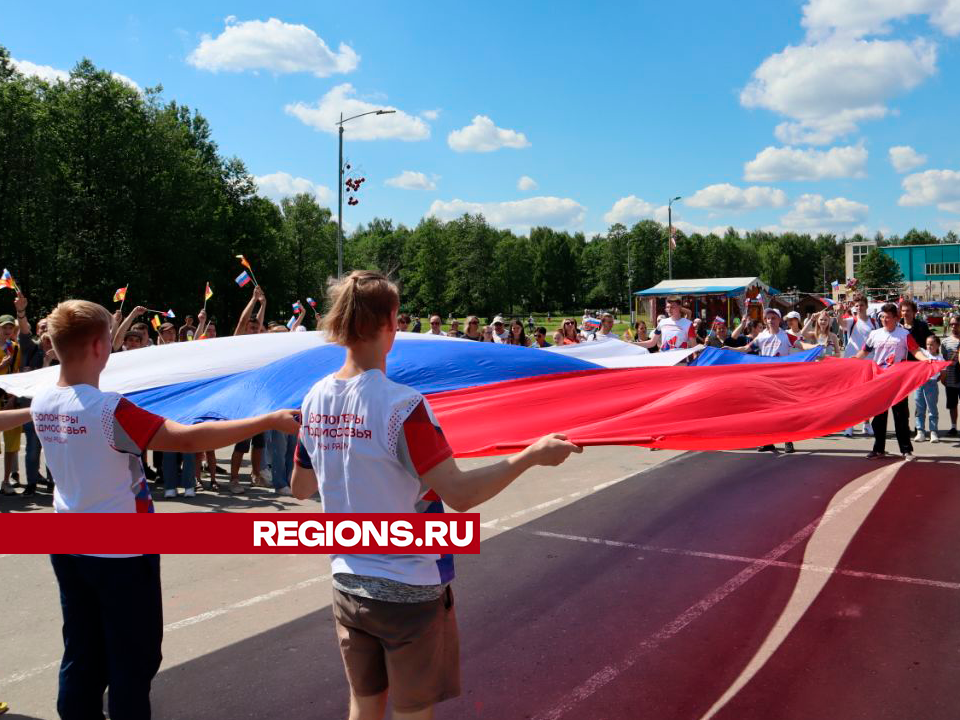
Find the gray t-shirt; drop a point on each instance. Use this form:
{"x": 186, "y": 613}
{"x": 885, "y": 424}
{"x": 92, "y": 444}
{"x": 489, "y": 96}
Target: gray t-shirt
{"x": 950, "y": 348}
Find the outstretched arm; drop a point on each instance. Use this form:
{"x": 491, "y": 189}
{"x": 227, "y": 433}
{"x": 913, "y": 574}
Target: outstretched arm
{"x": 125, "y": 325}
{"x": 248, "y": 312}
{"x": 174, "y": 437}
{"x": 10, "y": 419}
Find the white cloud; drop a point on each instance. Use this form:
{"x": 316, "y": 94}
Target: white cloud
{"x": 430, "y": 114}
{"x": 483, "y": 136}
{"x": 856, "y": 18}
{"x": 324, "y": 114}
{"x": 526, "y": 184}
{"x": 811, "y": 213}
{"x": 827, "y": 89}
{"x": 44, "y": 72}
{"x": 730, "y": 197}
{"x": 904, "y": 158}
{"x": 272, "y": 45}
{"x": 52, "y": 74}
{"x": 279, "y": 185}
{"x": 518, "y": 215}
{"x": 773, "y": 164}
{"x": 410, "y": 180}
{"x": 628, "y": 210}
{"x": 932, "y": 187}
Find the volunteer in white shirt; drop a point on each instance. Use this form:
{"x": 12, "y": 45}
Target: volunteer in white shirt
{"x": 892, "y": 344}
{"x": 93, "y": 442}
{"x": 772, "y": 342}
{"x": 372, "y": 445}
{"x": 674, "y": 332}
{"x": 857, "y": 326}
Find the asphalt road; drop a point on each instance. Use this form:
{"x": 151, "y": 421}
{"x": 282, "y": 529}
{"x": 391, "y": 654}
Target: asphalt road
{"x": 626, "y": 584}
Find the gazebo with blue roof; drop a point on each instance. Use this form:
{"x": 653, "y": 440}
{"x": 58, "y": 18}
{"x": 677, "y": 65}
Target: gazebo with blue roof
{"x": 724, "y": 297}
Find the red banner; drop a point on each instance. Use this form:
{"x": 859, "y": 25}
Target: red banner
{"x": 239, "y": 533}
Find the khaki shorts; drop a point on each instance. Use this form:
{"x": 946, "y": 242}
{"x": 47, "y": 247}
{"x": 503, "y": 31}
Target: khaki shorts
{"x": 411, "y": 648}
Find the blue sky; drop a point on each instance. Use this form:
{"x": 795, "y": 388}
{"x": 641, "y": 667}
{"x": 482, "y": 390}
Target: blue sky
{"x": 761, "y": 115}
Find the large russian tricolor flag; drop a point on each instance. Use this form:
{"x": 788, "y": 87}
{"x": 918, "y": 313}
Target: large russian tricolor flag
{"x": 492, "y": 398}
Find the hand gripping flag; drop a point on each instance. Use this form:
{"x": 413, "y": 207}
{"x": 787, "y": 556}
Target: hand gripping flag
{"x": 243, "y": 278}
{"x": 120, "y": 295}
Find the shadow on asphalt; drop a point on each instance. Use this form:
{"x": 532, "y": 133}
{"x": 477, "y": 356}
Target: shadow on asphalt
{"x": 539, "y": 616}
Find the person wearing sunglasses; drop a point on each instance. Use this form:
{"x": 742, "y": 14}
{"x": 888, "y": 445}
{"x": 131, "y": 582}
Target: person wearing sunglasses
{"x": 569, "y": 333}
{"x": 473, "y": 329}
{"x": 435, "y": 325}
{"x": 950, "y": 349}
{"x": 403, "y": 322}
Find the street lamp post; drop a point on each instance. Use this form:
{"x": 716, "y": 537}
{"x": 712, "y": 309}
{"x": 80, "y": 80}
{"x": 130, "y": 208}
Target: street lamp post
{"x": 340, "y": 185}
{"x": 670, "y": 236}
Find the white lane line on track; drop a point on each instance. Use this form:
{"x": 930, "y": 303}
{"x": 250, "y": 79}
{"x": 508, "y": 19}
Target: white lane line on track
{"x": 807, "y": 567}
{"x": 611, "y": 672}
{"x": 209, "y": 615}
{"x": 186, "y": 622}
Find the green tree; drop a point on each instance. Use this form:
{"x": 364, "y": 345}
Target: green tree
{"x": 879, "y": 270}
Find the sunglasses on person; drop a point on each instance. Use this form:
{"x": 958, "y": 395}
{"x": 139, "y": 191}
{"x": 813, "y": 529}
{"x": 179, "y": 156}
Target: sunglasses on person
{"x": 568, "y": 323}
{"x": 434, "y": 323}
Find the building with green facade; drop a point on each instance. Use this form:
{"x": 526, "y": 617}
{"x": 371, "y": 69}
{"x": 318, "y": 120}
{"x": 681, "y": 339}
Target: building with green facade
{"x": 930, "y": 272}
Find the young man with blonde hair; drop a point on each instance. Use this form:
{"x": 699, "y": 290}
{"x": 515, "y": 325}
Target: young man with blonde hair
{"x": 94, "y": 441}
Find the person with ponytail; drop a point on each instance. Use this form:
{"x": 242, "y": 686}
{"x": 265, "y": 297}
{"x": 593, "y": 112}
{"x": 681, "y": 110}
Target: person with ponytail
{"x": 394, "y": 614}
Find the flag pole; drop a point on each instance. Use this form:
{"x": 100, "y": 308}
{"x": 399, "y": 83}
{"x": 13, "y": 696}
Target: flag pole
{"x": 124, "y": 298}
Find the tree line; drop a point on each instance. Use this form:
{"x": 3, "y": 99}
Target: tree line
{"x": 102, "y": 185}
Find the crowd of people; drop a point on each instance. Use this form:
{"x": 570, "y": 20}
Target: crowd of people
{"x": 843, "y": 330}
{"x": 102, "y": 468}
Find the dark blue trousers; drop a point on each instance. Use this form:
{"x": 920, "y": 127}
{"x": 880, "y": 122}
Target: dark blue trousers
{"x": 112, "y": 629}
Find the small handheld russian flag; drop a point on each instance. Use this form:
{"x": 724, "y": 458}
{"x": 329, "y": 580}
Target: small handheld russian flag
{"x": 311, "y": 302}
{"x": 170, "y": 314}
{"x": 835, "y": 284}
{"x": 243, "y": 278}
{"x": 7, "y": 281}
{"x": 297, "y": 307}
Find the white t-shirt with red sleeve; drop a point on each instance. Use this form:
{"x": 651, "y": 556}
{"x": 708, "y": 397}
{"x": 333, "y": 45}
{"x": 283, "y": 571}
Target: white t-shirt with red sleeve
{"x": 93, "y": 442}
{"x": 889, "y": 348}
{"x": 370, "y": 440}
{"x": 676, "y": 334}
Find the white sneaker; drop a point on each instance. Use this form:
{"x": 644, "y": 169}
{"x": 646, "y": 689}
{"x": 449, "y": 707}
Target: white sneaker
{"x": 167, "y": 494}
{"x": 934, "y": 438}
{"x": 190, "y": 492}
{"x": 919, "y": 437}
{"x": 285, "y": 490}
{"x": 848, "y": 432}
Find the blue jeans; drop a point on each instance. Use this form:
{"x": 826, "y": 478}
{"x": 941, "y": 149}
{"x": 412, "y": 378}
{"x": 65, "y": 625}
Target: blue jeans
{"x": 281, "y": 447}
{"x": 178, "y": 470}
{"x": 32, "y": 459}
{"x": 927, "y": 396}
